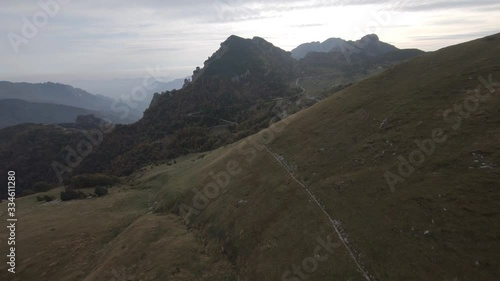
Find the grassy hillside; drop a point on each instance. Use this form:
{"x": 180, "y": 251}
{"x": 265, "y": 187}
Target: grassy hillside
{"x": 116, "y": 238}
{"x": 441, "y": 223}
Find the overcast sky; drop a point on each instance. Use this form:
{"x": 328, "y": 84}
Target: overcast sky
{"x": 97, "y": 39}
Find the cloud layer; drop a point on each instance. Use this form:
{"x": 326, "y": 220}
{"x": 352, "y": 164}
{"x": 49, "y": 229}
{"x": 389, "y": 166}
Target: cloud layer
{"x": 119, "y": 39}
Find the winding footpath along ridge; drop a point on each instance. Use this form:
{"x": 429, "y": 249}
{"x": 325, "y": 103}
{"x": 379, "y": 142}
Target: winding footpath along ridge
{"x": 334, "y": 223}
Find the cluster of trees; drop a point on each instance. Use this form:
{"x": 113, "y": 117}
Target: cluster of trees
{"x": 29, "y": 150}
{"x": 100, "y": 182}
{"x": 46, "y": 198}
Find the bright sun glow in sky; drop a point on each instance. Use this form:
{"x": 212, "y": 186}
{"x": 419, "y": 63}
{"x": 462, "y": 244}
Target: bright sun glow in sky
{"x": 120, "y": 39}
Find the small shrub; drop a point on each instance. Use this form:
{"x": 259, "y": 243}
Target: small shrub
{"x": 48, "y": 198}
{"x": 100, "y": 191}
{"x": 72, "y": 194}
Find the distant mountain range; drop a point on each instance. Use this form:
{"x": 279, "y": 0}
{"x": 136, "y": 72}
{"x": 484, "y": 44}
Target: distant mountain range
{"x": 58, "y": 103}
{"x": 54, "y": 93}
{"x": 117, "y": 88}
{"x": 369, "y": 45}
{"x": 15, "y": 111}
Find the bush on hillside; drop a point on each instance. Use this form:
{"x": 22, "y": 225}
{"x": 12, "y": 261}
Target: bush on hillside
{"x": 46, "y": 198}
{"x": 100, "y": 191}
{"x": 72, "y": 194}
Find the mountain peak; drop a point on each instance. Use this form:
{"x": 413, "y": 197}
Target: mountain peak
{"x": 370, "y": 37}
{"x": 232, "y": 38}
{"x": 259, "y": 40}
{"x": 370, "y": 44}
{"x": 238, "y": 55}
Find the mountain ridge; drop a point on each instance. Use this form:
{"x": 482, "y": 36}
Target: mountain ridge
{"x": 17, "y": 111}
{"x": 50, "y": 92}
{"x": 368, "y": 44}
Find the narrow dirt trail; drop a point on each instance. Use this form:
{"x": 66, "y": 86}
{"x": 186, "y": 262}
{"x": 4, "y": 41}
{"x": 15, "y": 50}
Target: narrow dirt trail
{"x": 334, "y": 223}
{"x": 298, "y": 85}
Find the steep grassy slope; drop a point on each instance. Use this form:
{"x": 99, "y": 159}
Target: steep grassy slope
{"x": 441, "y": 223}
